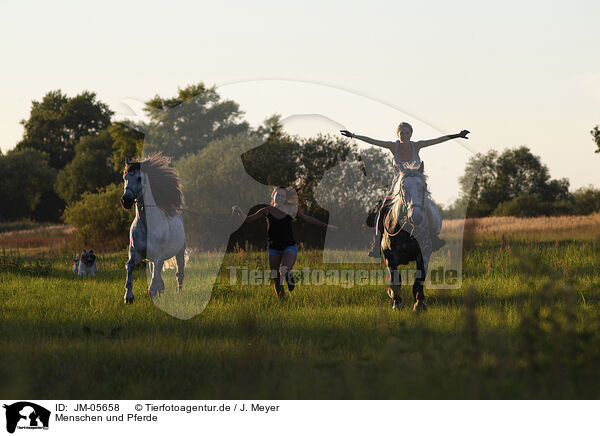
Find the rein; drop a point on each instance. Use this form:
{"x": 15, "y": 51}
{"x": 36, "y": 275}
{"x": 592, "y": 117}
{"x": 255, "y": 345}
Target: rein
{"x": 183, "y": 209}
{"x": 405, "y": 221}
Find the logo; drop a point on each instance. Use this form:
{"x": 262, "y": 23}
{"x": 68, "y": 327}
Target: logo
{"x": 26, "y": 415}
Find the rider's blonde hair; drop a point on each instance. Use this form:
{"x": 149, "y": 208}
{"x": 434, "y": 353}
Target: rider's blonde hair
{"x": 400, "y": 127}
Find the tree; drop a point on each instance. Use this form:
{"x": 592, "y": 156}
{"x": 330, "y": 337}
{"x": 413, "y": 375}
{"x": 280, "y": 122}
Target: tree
{"x": 596, "y": 134}
{"x": 275, "y": 161}
{"x": 214, "y": 180}
{"x": 188, "y": 122}
{"x": 58, "y": 122}
{"x": 128, "y": 141}
{"x": 90, "y": 169}
{"x": 25, "y": 177}
{"x": 586, "y": 201}
{"x": 477, "y": 185}
{"x": 491, "y": 180}
{"x": 524, "y": 205}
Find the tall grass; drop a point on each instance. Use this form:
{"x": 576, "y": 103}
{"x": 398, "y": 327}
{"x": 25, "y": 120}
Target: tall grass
{"x": 524, "y": 325}
{"x": 42, "y": 239}
{"x": 540, "y": 228}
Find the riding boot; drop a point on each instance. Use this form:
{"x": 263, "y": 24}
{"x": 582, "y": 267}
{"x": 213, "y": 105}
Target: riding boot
{"x": 436, "y": 242}
{"x": 375, "y": 250}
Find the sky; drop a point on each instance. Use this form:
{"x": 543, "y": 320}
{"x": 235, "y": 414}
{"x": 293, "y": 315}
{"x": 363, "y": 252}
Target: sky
{"x": 513, "y": 73}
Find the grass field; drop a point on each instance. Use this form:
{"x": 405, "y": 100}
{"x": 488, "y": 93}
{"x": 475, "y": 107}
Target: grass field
{"x": 524, "y": 325}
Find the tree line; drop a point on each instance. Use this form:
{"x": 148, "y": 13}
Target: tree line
{"x": 68, "y": 167}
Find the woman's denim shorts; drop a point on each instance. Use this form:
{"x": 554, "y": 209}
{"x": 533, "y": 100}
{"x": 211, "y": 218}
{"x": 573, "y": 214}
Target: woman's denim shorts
{"x": 288, "y": 249}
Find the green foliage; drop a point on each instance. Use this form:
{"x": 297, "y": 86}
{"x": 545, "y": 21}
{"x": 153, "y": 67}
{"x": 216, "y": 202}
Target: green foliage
{"x": 596, "y": 135}
{"x": 11, "y": 262}
{"x": 188, "y": 122}
{"x": 496, "y": 184}
{"x": 214, "y": 180}
{"x": 273, "y": 160}
{"x": 128, "y": 141}
{"x": 100, "y": 220}
{"x": 525, "y": 205}
{"x": 90, "y": 169}
{"x": 25, "y": 178}
{"x": 586, "y": 201}
{"x": 242, "y": 170}
{"x": 58, "y": 122}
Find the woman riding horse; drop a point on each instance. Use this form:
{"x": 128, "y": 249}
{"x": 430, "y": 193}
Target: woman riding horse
{"x": 406, "y": 154}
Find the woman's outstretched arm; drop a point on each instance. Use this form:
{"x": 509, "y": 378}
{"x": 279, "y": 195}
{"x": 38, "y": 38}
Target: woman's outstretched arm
{"x": 313, "y": 220}
{"x": 384, "y": 144}
{"x": 428, "y": 142}
{"x": 260, "y": 213}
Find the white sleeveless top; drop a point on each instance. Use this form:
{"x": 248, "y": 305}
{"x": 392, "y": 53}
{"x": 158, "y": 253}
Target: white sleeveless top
{"x": 414, "y": 162}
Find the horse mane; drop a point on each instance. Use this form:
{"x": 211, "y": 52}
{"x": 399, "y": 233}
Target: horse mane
{"x": 164, "y": 181}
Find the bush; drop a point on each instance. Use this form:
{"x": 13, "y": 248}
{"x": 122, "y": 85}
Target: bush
{"x": 525, "y": 205}
{"x": 100, "y": 220}
{"x": 586, "y": 201}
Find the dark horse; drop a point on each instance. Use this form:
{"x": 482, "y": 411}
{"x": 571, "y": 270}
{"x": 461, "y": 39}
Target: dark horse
{"x": 405, "y": 233}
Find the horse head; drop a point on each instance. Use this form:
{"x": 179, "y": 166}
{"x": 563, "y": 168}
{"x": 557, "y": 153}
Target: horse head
{"x": 132, "y": 176}
{"x": 409, "y": 195}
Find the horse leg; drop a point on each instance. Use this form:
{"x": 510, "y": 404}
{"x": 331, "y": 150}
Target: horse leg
{"x": 418, "y": 292}
{"x": 395, "y": 285}
{"x": 156, "y": 284}
{"x": 180, "y": 258}
{"x": 134, "y": 258}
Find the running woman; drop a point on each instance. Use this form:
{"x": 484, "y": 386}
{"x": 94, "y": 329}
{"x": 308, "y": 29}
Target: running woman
{"x": 281, "y": 244}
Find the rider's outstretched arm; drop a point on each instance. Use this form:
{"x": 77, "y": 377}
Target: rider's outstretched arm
{"x": 384, "y": 144}
{"x": 428, "y": 142}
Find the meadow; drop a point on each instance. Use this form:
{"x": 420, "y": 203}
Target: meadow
{"x": 524, "y": 325}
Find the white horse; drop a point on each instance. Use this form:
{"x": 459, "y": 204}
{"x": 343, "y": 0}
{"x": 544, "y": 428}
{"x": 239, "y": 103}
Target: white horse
{"x": 406, "y": 234}
{"x": 157, "y": 232}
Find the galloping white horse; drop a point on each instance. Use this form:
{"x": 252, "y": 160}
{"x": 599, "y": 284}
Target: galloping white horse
{"x": 157, "y": 232}
{"x": 406, "y": 235}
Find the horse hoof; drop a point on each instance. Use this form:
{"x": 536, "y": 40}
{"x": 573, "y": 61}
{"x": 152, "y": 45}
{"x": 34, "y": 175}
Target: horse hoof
{"x": 419, "y": 306}
{"x": 397, "y": 305}
{"x": 129, "y": 300}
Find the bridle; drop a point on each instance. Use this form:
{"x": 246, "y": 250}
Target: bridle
{"x": 135, "y": 194}
{"x": 405, "y": 221}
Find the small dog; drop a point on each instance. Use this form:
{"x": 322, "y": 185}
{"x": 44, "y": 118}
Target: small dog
{"x": 86, "y": 264}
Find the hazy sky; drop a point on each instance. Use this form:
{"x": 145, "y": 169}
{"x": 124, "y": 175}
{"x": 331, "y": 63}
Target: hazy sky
{"x": 513, "y": 73}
